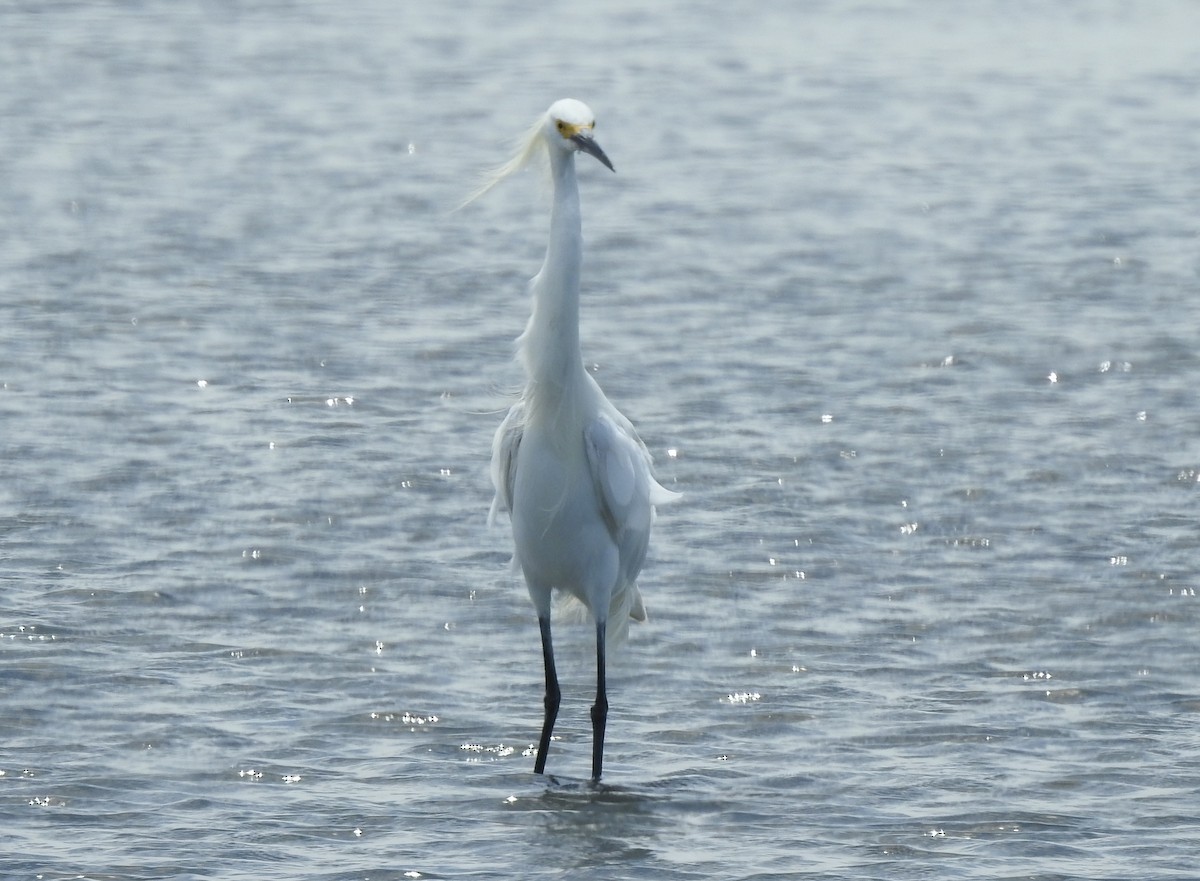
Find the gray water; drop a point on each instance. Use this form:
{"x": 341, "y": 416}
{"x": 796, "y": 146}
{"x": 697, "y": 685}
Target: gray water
{"x": 902, "y": 296}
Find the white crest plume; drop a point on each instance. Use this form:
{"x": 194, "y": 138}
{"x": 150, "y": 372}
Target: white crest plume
{"x": 530, "y": 146}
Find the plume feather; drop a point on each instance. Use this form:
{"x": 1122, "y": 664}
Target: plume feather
{"x": 529, "y": 147}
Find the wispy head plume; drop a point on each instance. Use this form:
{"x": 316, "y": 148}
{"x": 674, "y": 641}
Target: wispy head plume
{"x": 529, "y": 147}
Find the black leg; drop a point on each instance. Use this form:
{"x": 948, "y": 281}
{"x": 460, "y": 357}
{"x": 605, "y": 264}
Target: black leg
{"x": 552, "y": 697}
{"x": 600, "y": 708}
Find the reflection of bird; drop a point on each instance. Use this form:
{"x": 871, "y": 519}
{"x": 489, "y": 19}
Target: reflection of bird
{"x": 567, "y": 465}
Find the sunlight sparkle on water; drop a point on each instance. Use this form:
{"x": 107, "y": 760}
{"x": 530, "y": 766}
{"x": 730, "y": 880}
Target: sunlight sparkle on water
{"x": 744, "y": 697}
{"x": 499, "y": 751}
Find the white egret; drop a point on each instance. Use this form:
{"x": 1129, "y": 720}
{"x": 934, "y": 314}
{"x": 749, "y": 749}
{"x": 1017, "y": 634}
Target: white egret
{"x": 568, "y": 467}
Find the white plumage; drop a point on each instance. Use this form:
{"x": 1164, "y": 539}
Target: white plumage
{"x": 566, "y": 464}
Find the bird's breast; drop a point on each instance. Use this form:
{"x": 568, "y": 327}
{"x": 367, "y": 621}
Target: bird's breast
{"x": 558, "y": 528}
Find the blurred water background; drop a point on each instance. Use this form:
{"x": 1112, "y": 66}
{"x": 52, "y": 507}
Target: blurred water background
{"x": 901, "y": 295}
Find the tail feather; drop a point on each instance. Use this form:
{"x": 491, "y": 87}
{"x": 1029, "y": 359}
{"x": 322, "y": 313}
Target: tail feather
{"x": 626, "y": 606}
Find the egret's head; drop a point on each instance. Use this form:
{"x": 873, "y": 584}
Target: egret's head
{"x": 567, "y": 126}
{"x": 570, "y": 125}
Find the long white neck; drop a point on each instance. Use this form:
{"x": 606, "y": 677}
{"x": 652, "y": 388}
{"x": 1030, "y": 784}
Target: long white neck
{"x": 549, "y": 347}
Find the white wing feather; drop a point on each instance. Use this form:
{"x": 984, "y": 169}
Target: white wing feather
{"x": 504, "y": 459}
{"x": 627, "y": 491}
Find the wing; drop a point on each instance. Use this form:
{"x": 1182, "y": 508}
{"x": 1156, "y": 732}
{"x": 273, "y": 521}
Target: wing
{"x": 620, "y": 470}
{"x": 659, "y": 494}
{"x": 504, "y": 458}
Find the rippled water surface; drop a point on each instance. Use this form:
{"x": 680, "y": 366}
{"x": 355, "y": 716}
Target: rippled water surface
{"x": 902, "y": 296}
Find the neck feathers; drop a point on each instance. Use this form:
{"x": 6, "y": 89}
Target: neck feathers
{"x": 549, "y": 347}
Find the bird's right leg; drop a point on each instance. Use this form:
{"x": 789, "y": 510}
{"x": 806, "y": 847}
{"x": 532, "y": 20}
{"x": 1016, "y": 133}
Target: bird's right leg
{"x": 552, "y": 696}
{"x": 600, "y": 708}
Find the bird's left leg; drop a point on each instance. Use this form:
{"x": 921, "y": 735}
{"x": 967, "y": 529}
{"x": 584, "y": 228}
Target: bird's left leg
{"x": 600, "y": 708}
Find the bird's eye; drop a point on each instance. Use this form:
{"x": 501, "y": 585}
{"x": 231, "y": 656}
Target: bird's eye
{"x": 562, "y": 126}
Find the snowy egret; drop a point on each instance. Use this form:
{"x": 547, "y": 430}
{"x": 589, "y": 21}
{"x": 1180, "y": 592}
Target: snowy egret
{"x": 568, "y": 467}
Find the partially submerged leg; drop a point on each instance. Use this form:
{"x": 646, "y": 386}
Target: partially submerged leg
{"x": 552, "y": 696}
{"x": 600, "y": 708}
